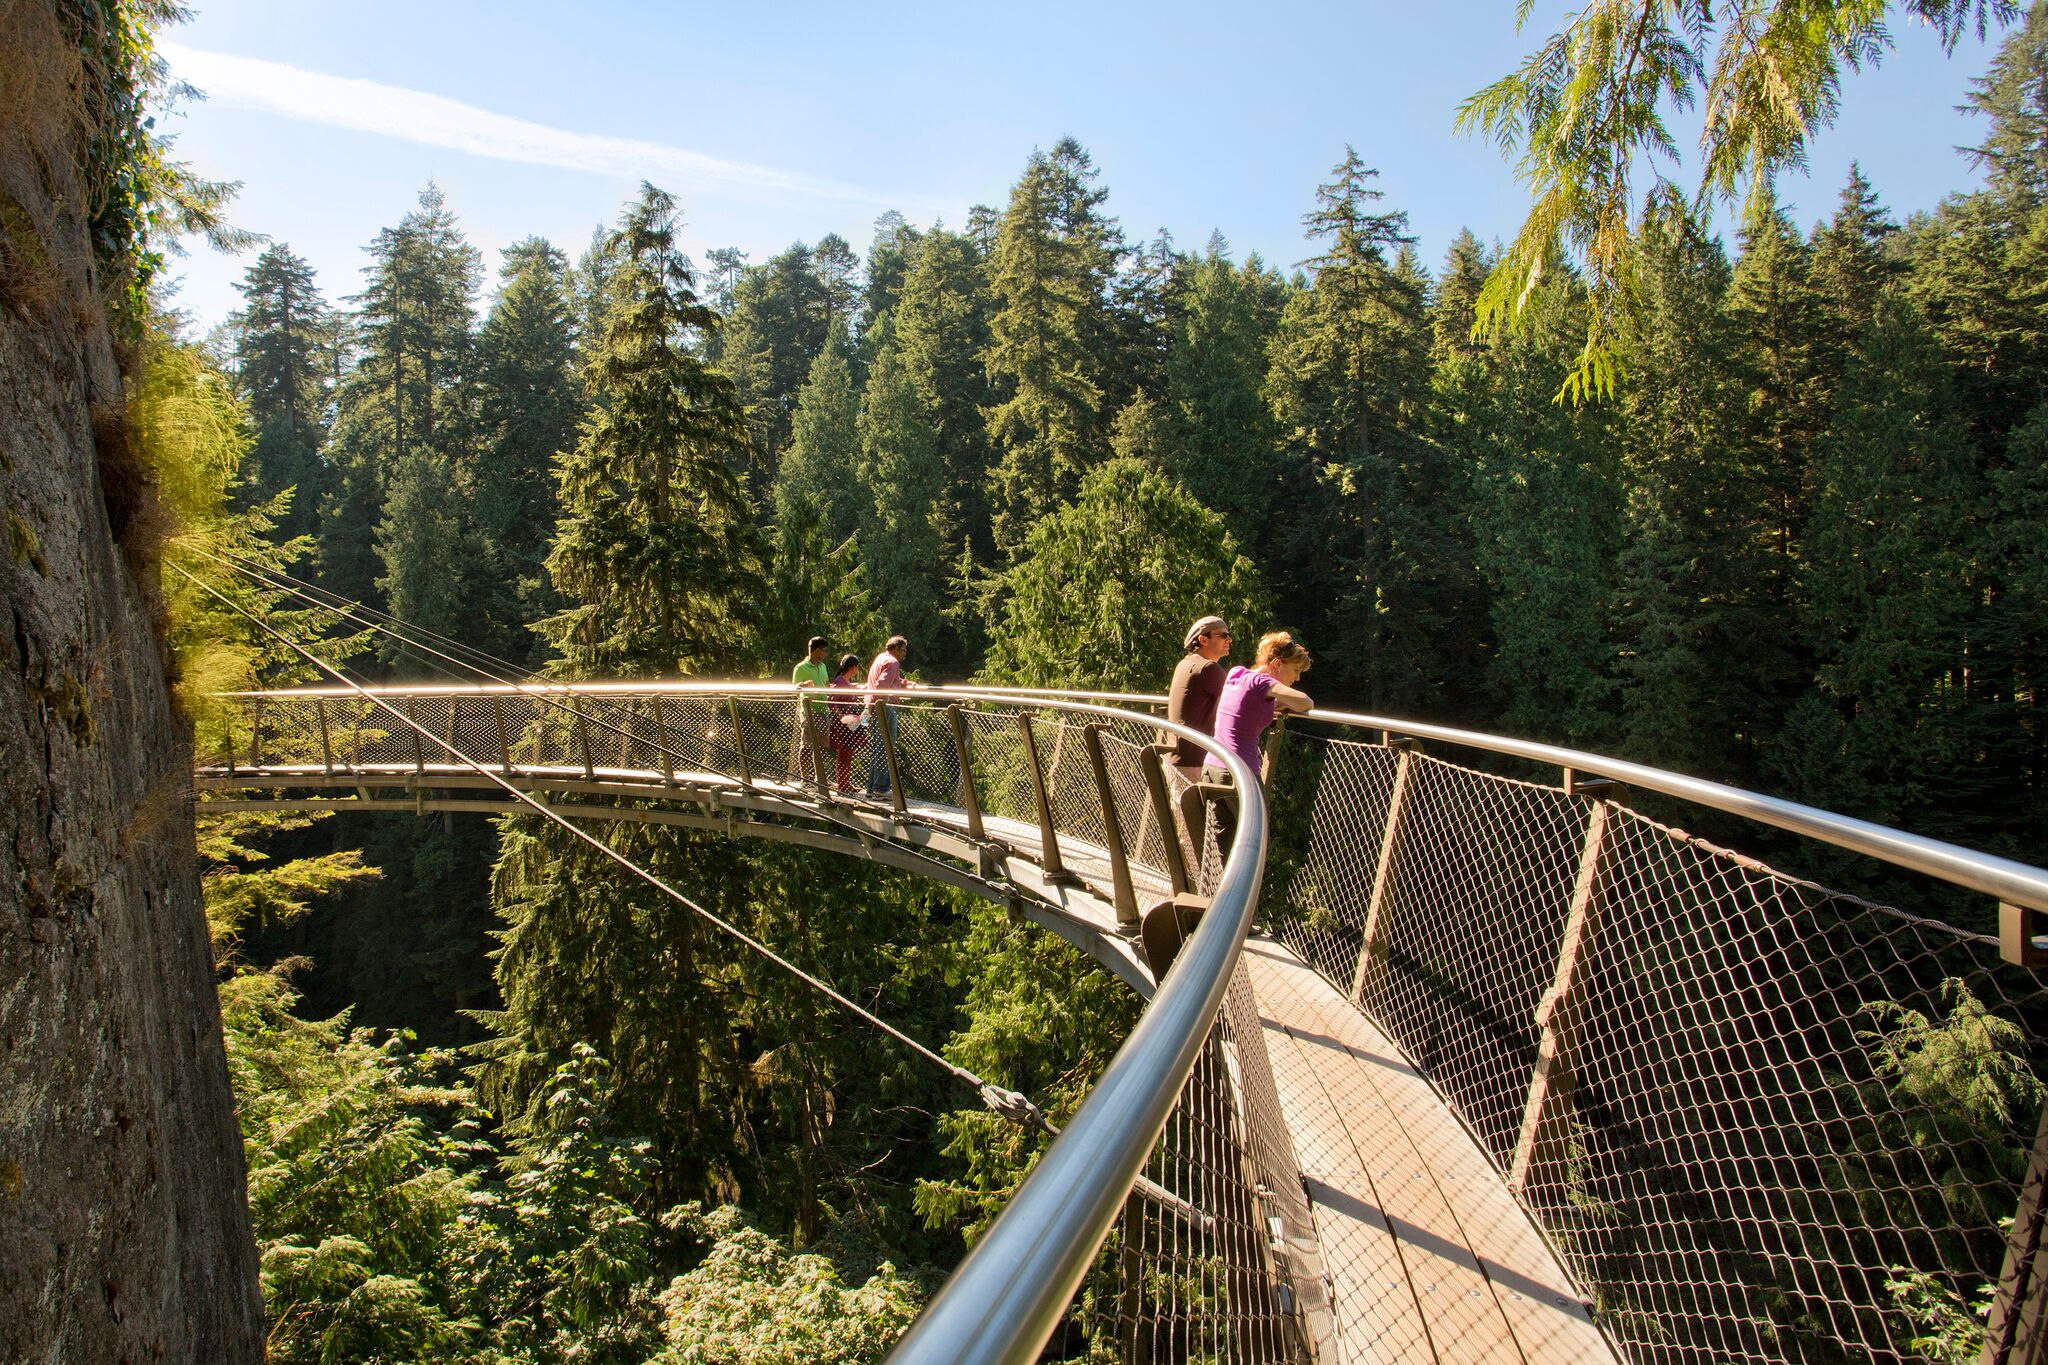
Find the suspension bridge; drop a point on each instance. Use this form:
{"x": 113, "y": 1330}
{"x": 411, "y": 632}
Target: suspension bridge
{"x": 1438, "y": 1063}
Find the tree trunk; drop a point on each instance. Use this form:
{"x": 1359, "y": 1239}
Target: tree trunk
{"x": 124, "y": 1228}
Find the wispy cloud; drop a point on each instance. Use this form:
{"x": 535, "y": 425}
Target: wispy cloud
{"x": 415, "y": 116}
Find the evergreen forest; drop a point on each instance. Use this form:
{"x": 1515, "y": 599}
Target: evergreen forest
{"x": 502, "y": 1104}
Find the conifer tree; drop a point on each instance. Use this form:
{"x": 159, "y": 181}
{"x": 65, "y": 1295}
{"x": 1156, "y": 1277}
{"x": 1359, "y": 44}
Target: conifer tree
{"x": 282, "y": 336}
{"x": 890, "y": 257}
{"x": 656, "y": 553}
{"x": 941, "y": 332}
{"x": 1851, "y": 266}
{"x": 1775, "y": 309}
{"x": 819, "y": 468}
{"x": 1219, "y": 437}
{"x": 781, "y": 314}
{"x": 907, "y": 522}
{"x": 528, "y": 406}
{"x": 409, "y": 393}
{"x": 1885, "y": 734}
{"x": 658, "y": 558}
{"x": 1346, "y": 387}
{"x": 1701, "y": 673}
{"x": 1050, "y": 337}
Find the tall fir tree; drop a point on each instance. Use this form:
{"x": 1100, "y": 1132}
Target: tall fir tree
{"x": 891, "y": 255}
{"x": 1347, "y": 385}
{"x": 529, "y": 402}
{"x": 941, "y": 328}
{"x": 781, "y": 314}
{"x": 1219, "y": 441}
{"x": 1886, "y": 732}
{"x": 408, "y": 399}
{"x": 1050, "y": 337}
{"x": 659, "y": 561}
{"x": 819, "y": 468}
{"x": 907, "y": 523}
{"x": 656, "y": 552}
{"x": 282, "y": 336}
{"x": 1702, "y": 674}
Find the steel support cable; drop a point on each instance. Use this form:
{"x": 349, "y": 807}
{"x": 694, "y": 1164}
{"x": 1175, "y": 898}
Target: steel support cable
{"x": 334, "y": 601}
{"x": 1007, "y": 1103}
{"x": 397, "y": 628}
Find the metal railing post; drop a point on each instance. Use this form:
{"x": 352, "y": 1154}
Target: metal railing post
{"x": 668, "y": 754}
{"x": 419, "y": 745}
{"x": 1121, "y": 895}
{"x": 1048, "y": 837}
{"x": 884, "y": 717}
{"x": 326, "y": 751}
{"x": 739, "y": 741}
{"x": 2017, "y": 1331}
{"x": 255, "y": 734}
{"x": 1372, "y": 948}
{"x": 1152, "y": 764}
{"x": 970, "y": 799}
{"x": 504, "y": 735}
{"x": 581, "y": 727}
{"x": 1550, "y": 1083}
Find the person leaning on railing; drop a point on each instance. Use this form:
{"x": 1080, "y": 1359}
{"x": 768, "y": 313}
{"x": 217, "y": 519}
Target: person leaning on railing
{"x": 885, "y": 674}
{"x": 1197, "y": 688}
{"x": 1251, "y": 698}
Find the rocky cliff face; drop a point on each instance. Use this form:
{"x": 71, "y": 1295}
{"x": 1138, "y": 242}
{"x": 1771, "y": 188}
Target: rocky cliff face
{"x": 124, "y": 1232}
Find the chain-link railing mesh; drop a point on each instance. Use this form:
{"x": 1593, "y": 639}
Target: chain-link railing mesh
{"x": 1778, "y": 1123}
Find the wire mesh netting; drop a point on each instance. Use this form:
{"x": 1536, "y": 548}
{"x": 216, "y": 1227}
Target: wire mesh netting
{"x": 1777, "y": 1123}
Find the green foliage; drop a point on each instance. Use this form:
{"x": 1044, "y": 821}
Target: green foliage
{"x": 656, "y": 552}
{"x": 750, "y": 1301}
{"x": 1048, "y": 336}
{"x": 1589, "y": 110}
{"x": 1948, "y": 1329}
{"x": 529, "y": 402}
{"x": 819, "y": 466}
{"x": 907, "y": 521}
{"x": 283, "y": 353}
{"x": 1043, "y": 1021}
{"x": 1102, "y": 589}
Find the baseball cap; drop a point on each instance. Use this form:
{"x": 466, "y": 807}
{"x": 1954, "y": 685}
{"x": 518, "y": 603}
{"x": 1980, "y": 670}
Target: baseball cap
{"x": 1201, "y": 628}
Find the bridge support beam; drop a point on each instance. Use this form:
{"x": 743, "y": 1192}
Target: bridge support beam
{"x": 2017, "y": 1333}
{"x": 1121, "y": 894}
{"x": 963, "y": 751}
{"x": 1372, "y": 948}
{"x": 1048, "y": 837}
{"x": 1153, "y": 764}
{"x": 1548, "y": 1106}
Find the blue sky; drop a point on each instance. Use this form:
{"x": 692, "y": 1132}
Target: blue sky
{"x": 542, "y": 119}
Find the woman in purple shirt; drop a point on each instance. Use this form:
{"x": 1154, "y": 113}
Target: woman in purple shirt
{"x": 1252, "y": 696}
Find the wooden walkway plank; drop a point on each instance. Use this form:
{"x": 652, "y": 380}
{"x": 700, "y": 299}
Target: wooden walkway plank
{"x": 1464, "y": 1223}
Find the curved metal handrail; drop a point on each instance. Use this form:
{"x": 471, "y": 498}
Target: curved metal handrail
{"x": 1005, "y": 1299}
{"x": 2004, "y": 878}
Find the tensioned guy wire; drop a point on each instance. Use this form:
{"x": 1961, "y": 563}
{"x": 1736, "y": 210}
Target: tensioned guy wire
{"x": 1007, "y": 1103}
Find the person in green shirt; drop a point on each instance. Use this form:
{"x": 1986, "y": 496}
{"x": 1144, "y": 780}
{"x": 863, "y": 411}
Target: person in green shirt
{"x": 811, "y": 675}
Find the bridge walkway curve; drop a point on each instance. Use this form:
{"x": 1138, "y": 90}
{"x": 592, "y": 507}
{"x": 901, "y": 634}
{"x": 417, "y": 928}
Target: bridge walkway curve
{"x": 1424, "y": 1254}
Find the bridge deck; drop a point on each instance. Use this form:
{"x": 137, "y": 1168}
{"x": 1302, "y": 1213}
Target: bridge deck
{"x": 1429, "y": 1257}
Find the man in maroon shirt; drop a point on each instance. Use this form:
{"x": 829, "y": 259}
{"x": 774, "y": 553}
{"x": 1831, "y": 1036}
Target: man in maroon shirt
{"x": 1197, "y": 687}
